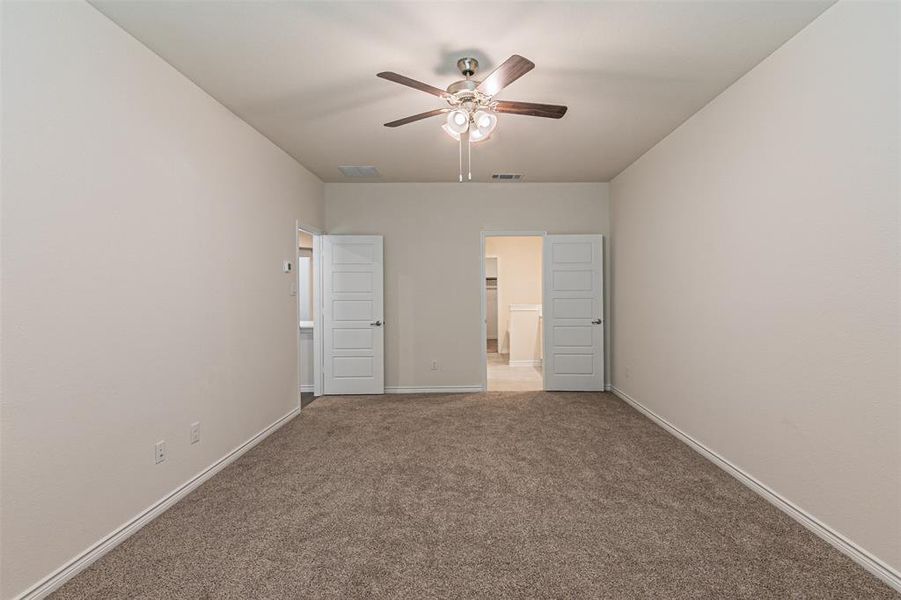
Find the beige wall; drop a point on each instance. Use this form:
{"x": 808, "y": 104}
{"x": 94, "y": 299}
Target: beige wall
{"x": 143, "y": 232}
{"x": 756, "y": 268}
{"x": 432, "y": 260}
{"x": 518, "y": 278}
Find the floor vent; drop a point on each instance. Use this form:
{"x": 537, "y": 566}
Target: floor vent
{"x": 506, "y": 177}
{"x": 358, "y": 171}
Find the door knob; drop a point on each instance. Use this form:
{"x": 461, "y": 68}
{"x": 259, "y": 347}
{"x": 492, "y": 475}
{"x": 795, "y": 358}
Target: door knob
{"x": 597, "y": 321}
{"x": 376, "y": 323}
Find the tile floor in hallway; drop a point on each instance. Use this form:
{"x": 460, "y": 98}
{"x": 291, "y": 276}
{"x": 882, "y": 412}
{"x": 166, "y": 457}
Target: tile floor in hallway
{"x": 504, "y": 378}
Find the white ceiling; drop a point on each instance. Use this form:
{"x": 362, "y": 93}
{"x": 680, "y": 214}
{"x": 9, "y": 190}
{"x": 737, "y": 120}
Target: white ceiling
{"x": 303, "y": 74}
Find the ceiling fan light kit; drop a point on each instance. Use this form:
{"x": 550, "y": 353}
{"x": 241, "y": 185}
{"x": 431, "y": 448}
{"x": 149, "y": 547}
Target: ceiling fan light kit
{"x": 472, "y": 110}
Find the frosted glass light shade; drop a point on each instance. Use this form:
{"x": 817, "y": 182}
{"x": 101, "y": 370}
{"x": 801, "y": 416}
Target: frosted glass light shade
{"x": 485, "y": 122}
{"x": 458, "y": 121}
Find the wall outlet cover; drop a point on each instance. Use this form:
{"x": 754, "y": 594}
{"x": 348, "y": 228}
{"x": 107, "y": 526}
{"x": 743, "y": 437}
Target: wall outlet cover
{"x": 159, "y": 450}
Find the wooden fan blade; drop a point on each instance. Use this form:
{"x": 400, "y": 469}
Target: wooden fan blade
{"x": 550, "y": 111}
{"x": 510, "y": 70}
{"x": 416, "y": 85}
{"x": 418, "y": 117}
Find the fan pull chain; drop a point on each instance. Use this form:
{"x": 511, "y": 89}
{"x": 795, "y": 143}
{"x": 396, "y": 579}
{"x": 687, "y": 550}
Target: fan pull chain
{"x": 469, "y": 155}
{"x": 461, "y": 159}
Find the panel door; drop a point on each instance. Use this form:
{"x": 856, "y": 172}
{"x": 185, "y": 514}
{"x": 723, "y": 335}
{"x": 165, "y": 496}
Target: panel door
{"x": 573, "y": 312}
{"x": 352, "y": 314}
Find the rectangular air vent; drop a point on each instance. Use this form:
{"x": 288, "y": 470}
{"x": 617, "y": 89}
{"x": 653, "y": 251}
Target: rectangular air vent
{"x": 506, "y": 177}
{"x": 358, "y": 171}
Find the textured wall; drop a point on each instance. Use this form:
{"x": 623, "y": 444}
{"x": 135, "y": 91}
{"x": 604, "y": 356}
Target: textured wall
{"x": 756, "y": 298}
{"x": 143, "y": 230}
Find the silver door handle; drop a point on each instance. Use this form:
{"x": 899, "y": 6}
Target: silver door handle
{"x": 376, "y": 323}
{"x": 597, "y": 321}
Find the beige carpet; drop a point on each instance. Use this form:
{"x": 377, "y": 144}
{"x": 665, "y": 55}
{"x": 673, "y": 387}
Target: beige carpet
{"x": 499, "y": 495}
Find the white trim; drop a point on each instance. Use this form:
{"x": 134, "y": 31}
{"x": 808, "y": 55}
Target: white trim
{"x": 509, "y": 233}
{"x": 297, "y": 294}
{"x": 306, "y": 326}
{"x": 307, "y": 387}
{"x": 483, "y": 316}
{"x": 865, "y": 559}
{"x": 525, "y": 307}
{"x": 318, "y": 375}
{"x": 314, "y": 231}
{"x": 439, "y": 389}
{"x": 532, "y": 362}
{"x": 55, "y": 580}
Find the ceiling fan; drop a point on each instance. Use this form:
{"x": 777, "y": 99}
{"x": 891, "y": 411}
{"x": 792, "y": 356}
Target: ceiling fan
{"x": 472, "y": 108}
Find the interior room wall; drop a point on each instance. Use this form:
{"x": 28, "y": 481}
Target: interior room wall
{"x": 143, "y": 232}
{"x": 433, "y": 255}
{"x": 756, "y": 266}
{"x": 518, "y": 278}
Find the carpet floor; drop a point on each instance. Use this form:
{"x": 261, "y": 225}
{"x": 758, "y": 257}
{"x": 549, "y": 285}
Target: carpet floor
{"x": 498, "y": 495}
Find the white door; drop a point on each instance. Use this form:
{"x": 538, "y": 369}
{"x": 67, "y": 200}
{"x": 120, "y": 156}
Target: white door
{"x": 352, "y": 317}
{"x": 573, "y": 312}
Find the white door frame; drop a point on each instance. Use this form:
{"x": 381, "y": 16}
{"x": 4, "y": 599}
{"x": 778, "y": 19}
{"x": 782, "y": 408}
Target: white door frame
{"x": 484, "y": 295}
{"x": 317, "y": 311}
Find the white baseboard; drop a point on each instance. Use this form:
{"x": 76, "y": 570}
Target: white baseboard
{"x": 306, "y": 387}
{"x": 525, "y": 363}
{"x": 865, "y": 559}
{"x": 440, "y": 389}
{"x": 450, "y": 389}
{"x": 56, "y": 579}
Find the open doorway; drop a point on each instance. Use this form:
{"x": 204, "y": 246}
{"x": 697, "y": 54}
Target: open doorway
{"x": 512, "y": 296}
{"x": 307, "y": 247}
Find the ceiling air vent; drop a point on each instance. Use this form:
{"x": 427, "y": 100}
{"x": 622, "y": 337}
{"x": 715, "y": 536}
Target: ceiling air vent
{"x": 506, "y": 177}
{"x": 358, "y": 171}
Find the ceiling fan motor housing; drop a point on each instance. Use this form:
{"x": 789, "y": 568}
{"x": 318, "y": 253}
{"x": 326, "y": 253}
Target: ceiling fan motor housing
{"x": 465, "y": 85}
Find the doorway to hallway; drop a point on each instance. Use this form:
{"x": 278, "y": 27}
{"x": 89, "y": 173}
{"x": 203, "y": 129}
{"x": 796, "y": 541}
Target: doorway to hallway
{"x": 513, "y": 312}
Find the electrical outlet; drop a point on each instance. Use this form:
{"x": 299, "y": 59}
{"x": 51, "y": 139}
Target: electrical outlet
{"x": 434, "y": 365}
{"x": 160, "y": 451}
{"x": 195, "y": 432}
{"x": 628, "y": 373}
